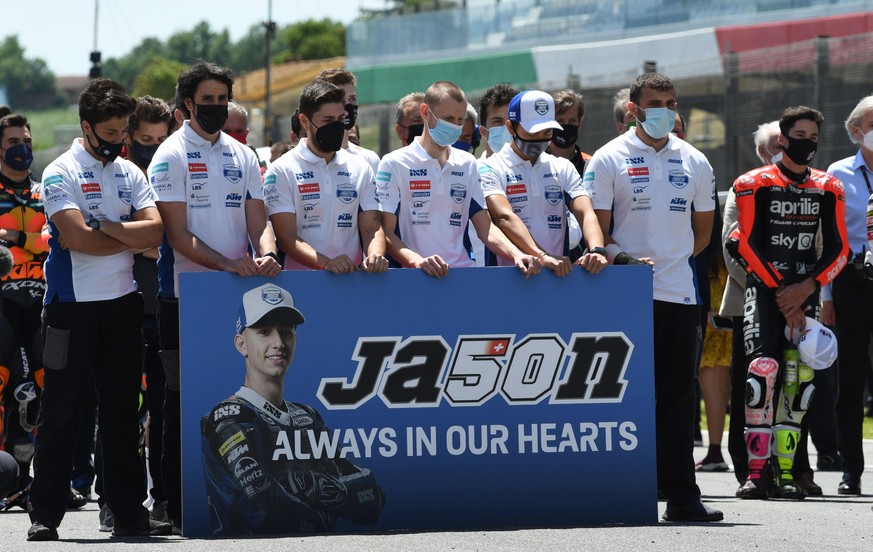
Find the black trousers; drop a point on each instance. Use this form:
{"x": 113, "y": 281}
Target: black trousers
{"x": 676, "y": 335}
{"x": 171, "y": 459}
{"x": 86, "y": 343}
{"x": 853, "y": 302}
{"x": 155, "y": 382}
{"x": 21, "y": 353}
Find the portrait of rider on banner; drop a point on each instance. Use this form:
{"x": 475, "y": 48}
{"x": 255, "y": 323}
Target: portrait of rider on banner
{"x": 263, "y": 473}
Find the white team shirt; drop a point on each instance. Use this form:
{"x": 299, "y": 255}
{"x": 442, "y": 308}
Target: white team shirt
{"x": 77, "y": 180}
{"x": 535, "y": 192}
{"x": 370, "y": 156}
{"x": 325, "y": 197}
{"x": 433, "y": 204}
{"x": 214, "y": 181}
{"x": 652, "y": 195}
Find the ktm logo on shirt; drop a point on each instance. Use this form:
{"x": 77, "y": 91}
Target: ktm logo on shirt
{"x": 196, "y": 167}
{"x": 419, "y": 184}
{"x": 308, "y": 188}
{"x": 516, "y": 189}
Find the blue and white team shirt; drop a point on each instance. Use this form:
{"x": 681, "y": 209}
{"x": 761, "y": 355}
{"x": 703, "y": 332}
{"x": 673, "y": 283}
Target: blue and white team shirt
{"x": 326, "y": 198}
{"x": 652, "y": 196}
{"x": 433, "y": 204}
{"x": 78, "y": 180}
{"x": 214, "y": 181}
{"x": 538, "y": 193}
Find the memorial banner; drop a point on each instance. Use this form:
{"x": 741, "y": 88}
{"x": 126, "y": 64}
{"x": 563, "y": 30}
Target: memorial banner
{"x": 481, "y": 400}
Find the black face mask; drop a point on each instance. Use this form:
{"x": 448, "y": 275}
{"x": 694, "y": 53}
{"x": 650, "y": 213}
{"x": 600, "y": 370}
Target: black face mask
{"x": 800, "y": 150}
{"x": 330, "y": 136}
{"x": 412, "y": 131}
{"x": 211, "y": 117}
{"x": 142, "y": 153}
{"x": 18, "y": 157}
{"x": 567, "y": 137}
{"x": 104, "y": 149}
{"x": 352, "y": 116}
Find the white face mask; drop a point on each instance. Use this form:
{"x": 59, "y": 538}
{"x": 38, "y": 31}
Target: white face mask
{"x": 867, "y": 140}
{"x": 776, "y": 158}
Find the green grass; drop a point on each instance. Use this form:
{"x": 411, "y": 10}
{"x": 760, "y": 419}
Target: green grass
{"x": 868, "y": 423}
{"x": 43, "y": 123}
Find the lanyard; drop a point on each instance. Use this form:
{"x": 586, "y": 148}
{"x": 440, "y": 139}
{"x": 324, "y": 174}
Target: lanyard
{"x": 867, "y": 180}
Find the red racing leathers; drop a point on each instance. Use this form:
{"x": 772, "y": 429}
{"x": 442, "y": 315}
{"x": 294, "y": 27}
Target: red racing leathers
{"x": 778, "y": 220}
{"x": 776, "y": 242}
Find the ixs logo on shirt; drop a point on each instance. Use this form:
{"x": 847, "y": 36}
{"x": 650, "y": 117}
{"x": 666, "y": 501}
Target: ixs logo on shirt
{"x": 422, "y": 371}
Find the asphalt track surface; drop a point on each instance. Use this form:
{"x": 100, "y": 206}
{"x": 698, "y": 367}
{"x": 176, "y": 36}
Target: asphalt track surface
{"x": 828, "y": 523}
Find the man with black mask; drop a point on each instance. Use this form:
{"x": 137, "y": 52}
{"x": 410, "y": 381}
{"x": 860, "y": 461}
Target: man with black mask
{"x": 345, "y": 81}
{"x": 569, "y": 112}
{"x": 210, "y": 196}
{"x": 149, "y": 127}
{"x": 320, "y": 198}
{"x": 780, "y": 210}
{"x": 409, "y": 123}
{"x": 100, "y": 209}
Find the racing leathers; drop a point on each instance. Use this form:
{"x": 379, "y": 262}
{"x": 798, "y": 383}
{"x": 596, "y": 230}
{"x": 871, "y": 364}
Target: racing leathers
{"x": 21, "y": 210}
{"x": 780, "y": 216}
{"x": 271, "y": 470}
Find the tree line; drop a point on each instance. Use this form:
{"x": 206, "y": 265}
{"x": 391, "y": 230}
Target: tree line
{"x": 153, "y": 65}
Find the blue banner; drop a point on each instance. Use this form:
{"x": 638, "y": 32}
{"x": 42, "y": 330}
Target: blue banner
{"x": 481, "y": 400}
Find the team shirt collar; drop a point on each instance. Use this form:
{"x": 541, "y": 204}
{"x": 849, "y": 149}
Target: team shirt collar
{"x": 191, "y": 136}
{"x": 263, "y": 405}
{"x": 513, "y": 159}
{"x": 82, "y": 156}
{"x": 309, "y": 156}
{"x": 634, "y": 140}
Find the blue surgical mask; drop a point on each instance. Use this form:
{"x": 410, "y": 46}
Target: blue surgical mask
{"x": 498, "y": 137}
{"x": 659, "y": 121}
{"x": 444, "y": 133}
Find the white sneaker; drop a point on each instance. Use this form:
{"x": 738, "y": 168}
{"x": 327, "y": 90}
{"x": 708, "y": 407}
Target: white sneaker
{"x": 107, "y": 520}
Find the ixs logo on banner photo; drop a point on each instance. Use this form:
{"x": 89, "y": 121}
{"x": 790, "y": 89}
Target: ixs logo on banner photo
{"x": 401, "y": 403}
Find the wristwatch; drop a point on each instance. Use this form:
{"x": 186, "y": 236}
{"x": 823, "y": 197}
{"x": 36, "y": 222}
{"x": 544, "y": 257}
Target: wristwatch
{"x": 598, "y": 250}
{"x": 94, "y": 223}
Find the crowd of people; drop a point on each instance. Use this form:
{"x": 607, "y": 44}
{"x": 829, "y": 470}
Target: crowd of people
{"x": 90, "y": 322}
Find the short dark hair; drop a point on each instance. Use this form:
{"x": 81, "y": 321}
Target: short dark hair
{"x": 149, "y": 110}
{"x": 441, "y": 89}
{"x": 104, "y": 99}
{"x": 4, "y": 110}
{"x": 191, "y": 78}
{"x": 566, "y": 100}
{"x": 12, "y": 120}
{"x": 338, "y": 76}
{"x": 655, "y": 81}
{"x": 296, "y": 126}
{"x": 317, "y": 93}
{"x": 797, "y": 113}
{"x": 499, "y": 94}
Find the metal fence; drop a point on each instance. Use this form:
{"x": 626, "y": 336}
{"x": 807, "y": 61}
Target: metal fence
{"x": 830, "y": 74}
{"x": 506, "y": 24}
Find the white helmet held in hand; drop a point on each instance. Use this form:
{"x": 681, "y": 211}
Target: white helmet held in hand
{"x": 816, "y": 344}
